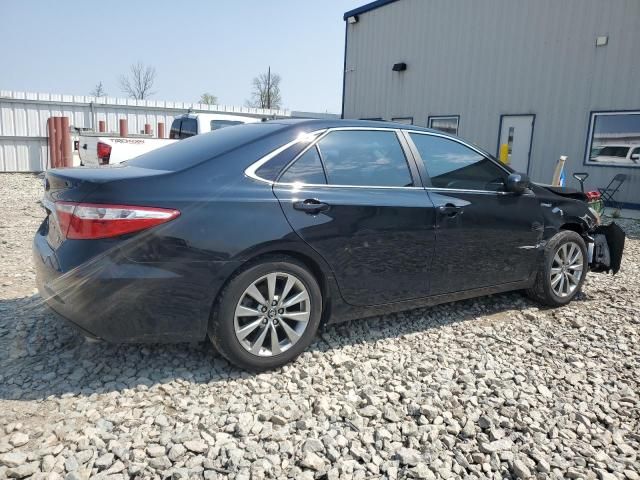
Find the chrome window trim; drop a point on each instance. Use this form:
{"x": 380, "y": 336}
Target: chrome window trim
{"x": 300, "y": 185}
{"x": 461, "y": 142}
{"x": 250, "y": 171}
{"x": 465, "y": 190}
{"x": 319, "y": 135}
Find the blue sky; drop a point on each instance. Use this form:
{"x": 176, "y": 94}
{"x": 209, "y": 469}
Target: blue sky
{"x": 195, "y": 46}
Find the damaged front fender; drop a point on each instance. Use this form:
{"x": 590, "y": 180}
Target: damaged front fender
{"x": 608, "y": 244}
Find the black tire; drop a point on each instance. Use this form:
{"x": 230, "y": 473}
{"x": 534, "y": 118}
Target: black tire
{"x": 221, "y": 324}
{"x": 542, "y": 291}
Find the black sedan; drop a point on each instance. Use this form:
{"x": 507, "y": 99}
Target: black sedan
{"x": 257, "y": 235}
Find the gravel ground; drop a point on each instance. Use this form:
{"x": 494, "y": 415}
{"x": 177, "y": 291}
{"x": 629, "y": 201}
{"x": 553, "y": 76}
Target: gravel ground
{"x": 489, "y": 388}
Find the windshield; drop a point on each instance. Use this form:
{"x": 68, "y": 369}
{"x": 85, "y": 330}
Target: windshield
{"x": 614, "y": 151}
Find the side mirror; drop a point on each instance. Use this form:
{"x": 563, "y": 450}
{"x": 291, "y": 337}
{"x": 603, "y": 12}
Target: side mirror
{"x": 635, "y": 156}
{"x": 518, "y": 183}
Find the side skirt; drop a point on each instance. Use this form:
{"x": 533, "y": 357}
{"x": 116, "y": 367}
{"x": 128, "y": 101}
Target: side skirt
{"x": 345, "y": 312}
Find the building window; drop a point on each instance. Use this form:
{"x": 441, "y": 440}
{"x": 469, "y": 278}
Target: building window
{"x": 614, "y": 139}
{"x": 405, "y": 120}
{"x": 447, "y": 124}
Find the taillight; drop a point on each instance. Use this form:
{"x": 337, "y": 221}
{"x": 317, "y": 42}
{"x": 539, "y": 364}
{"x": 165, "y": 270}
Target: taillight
{"x": 92, "y": 220}
{"x": 104, "y": 152}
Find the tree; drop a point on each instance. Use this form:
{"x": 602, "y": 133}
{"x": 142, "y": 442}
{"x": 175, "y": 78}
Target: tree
{"x": 139, "y": 82}
{"x": 266, "y": 91}
{"x": 208, "y": 99}
{"x": 98, "y": 91}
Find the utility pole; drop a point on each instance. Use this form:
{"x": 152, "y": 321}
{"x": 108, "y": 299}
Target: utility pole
{"x": 269, "y": 87}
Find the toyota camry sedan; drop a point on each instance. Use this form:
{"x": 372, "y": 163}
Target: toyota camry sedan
{"x": 258, "y": 235}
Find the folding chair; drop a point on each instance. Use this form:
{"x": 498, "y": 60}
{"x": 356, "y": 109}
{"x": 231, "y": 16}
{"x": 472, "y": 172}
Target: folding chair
{"x": 610, "y": 190}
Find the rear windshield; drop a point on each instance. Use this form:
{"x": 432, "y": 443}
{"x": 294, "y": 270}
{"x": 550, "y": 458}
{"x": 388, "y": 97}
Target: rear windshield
{"x": 191, "y": 151}
{"x": 184, "y": 127}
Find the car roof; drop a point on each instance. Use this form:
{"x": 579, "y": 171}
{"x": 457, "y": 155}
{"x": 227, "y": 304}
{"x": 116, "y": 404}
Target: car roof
{"x": 337, "y": 123}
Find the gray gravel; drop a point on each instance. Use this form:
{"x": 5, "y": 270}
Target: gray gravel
{"x": 488, "y": 388}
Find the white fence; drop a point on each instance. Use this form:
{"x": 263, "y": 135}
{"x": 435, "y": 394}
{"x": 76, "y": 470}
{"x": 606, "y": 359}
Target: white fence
{"x": 23, "y": 120}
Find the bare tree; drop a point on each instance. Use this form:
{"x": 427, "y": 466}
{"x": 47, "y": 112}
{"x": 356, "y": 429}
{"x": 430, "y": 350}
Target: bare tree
{"x": 266, "y": 91}
{"x": 208, "y": 99}
{"x": 98, "y": 91}
{"x": 139, "y": 82}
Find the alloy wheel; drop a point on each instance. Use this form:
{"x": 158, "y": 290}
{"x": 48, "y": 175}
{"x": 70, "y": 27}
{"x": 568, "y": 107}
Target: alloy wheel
{"x": 272, "y": 314}
{"x": 566, "y": 269}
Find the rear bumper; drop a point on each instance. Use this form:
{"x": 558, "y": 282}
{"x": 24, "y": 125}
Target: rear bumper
{"x": 118, "y": 300}
{"x": 608, "y": 247}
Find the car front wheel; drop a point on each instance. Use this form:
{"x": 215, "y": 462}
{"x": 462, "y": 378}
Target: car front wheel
{"x": 267, "y": 314}
{"x": 562, "y": 270}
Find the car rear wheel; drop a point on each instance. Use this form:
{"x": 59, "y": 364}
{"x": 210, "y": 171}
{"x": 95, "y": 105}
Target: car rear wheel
{"x": 563, "y": 270}
{"x": 267, "y": 314}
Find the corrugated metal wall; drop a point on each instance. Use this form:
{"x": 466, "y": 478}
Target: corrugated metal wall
{"x": 481, "y": 60}
{"x": 23, "y": 120}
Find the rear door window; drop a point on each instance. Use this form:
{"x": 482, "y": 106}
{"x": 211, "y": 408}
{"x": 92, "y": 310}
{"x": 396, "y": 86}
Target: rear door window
{"x": 364, "y": 158}
{"x": 307, "y": 170}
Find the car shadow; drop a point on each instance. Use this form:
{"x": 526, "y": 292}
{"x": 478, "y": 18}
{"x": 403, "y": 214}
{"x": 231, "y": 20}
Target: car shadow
{"x": 43, "y": 356}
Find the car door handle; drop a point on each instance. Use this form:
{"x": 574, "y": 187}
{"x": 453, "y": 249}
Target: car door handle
{"x": 449, "y": 210}
{"x": 311, "y": 205}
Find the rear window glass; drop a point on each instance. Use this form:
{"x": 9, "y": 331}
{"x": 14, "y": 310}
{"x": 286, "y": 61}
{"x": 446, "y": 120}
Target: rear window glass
{"x": 183, "y": 128}
{"x": 186, "y": 153}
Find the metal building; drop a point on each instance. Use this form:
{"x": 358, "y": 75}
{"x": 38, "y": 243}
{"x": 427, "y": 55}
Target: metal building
{"x": 545, "y": 78}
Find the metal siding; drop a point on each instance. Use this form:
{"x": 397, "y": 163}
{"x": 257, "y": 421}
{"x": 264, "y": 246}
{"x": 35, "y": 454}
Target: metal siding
{"x": 23, "y": 120}
{"x": 481, "y": 60}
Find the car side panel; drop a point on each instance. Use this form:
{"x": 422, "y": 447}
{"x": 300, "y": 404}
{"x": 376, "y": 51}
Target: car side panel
{"x": 493, "y": 239}
{"x": 379, "y": 242}
{"x": 562, "y": 212}
{"x": 172, "y": 273}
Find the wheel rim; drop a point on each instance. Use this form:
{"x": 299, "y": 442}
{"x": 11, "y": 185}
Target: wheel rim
{"x": 272, "y": 314}
{"x": 566, "y": 269}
